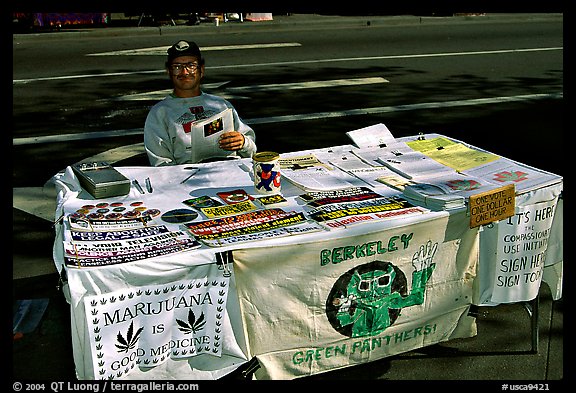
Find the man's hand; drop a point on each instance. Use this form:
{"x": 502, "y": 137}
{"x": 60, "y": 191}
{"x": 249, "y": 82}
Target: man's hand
{"x": 232, "y": 141}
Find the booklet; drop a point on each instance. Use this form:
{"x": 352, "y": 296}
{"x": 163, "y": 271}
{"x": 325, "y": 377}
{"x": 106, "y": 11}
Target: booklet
{"x": 205, "y": 134}
{"x": 433, "y": 196}
{"x": 395, "y": 181}
{"x": 453, "y": 154}
{"x": 377, "y": 135}
{"x": 310, "y": 174}
{"x": 446, "y": 191}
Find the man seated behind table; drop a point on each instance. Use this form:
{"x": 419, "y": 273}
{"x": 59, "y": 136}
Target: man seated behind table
{"x": 167, "y": 137}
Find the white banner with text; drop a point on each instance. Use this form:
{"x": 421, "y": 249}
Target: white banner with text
{"x": 315, "y": 307}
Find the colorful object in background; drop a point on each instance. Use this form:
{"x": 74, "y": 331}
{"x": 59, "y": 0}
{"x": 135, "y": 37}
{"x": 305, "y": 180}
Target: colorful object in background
{"x": 266, "y": 172}
{"x": 57, "y": 19}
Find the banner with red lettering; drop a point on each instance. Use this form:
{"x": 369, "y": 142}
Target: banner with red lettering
{"x": 315, "y": 307}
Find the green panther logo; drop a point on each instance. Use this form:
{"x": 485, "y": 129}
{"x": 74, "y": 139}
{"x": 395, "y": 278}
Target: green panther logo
{"x": 367, "y": 299}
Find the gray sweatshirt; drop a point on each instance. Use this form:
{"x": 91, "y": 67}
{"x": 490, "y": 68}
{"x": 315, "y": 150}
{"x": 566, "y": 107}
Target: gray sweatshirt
{"x": 167, "y": 130}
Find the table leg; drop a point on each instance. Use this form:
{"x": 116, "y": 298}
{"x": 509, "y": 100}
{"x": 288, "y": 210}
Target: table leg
{"x": 532, "y": 308}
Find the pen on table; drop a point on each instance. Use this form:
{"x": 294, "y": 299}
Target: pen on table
{"x": 149, "y": 185}
{"x": 192, "y": 174}
{"x": 138, "y": 186}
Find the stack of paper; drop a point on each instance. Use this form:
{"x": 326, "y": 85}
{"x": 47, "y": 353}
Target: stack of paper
{"x": 360, "y": 169}
{"x": 446, "y": 191}
{"x": 318, "y": 178}
{"x": 457, "y": 156}
{"x": 372, "y": 155}
{"x": 524, "y": 178}
{"x": 310, "y": 174}
{"x": 433, "y": 197}
{"x": 415, "y": 165}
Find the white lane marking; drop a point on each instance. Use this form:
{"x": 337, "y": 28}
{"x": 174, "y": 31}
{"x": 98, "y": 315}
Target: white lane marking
{"x": 110, "y": 74}
{"x": 160, "y": 94}
{"x": 307, "y": 116}
{"x": 308, "y": 85}
{"x": 400, "y": 108}
{"x": 297, "y": 62}
{"x": 161, "y": 50}
{"x": 368, "y": 58}
{"x": 147, "y": 96}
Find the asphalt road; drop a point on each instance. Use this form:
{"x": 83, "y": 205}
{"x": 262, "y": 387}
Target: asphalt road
{"x": 301, "y": 81}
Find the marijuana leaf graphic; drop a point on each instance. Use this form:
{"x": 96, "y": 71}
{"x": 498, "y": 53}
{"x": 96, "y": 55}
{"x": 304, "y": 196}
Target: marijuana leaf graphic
{"x": 514, "y": 176}
{"x": 193, "y": 325}
{"x": 463, "y": 185}
{"x": 130, "y": 341}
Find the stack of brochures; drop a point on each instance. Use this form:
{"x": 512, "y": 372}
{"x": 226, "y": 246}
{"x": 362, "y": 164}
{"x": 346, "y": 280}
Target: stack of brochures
{"x": 446, "y": 191}
{"x": 433, "y": 197}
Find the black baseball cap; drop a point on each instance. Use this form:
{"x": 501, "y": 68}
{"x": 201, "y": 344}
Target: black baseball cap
{"x": 183, "y": 48}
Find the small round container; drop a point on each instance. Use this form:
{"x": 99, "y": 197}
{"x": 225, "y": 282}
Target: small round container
{"x": 266, "y": 171}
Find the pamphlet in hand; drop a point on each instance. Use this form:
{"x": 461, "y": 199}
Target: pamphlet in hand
{"x": 205, "y": 134}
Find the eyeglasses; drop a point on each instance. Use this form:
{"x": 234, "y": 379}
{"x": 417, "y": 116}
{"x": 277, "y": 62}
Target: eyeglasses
{"x": 177, "y": 68}
{"x": 366, "y": 285}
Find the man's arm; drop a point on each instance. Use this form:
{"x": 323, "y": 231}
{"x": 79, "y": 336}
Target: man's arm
{"x": 249, "y": 147}
{"x": 156, "y": 141}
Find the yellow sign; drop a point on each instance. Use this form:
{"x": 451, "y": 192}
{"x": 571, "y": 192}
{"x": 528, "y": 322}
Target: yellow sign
{"x": 228, "y": 210}
{"x": 492, "y": 205}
